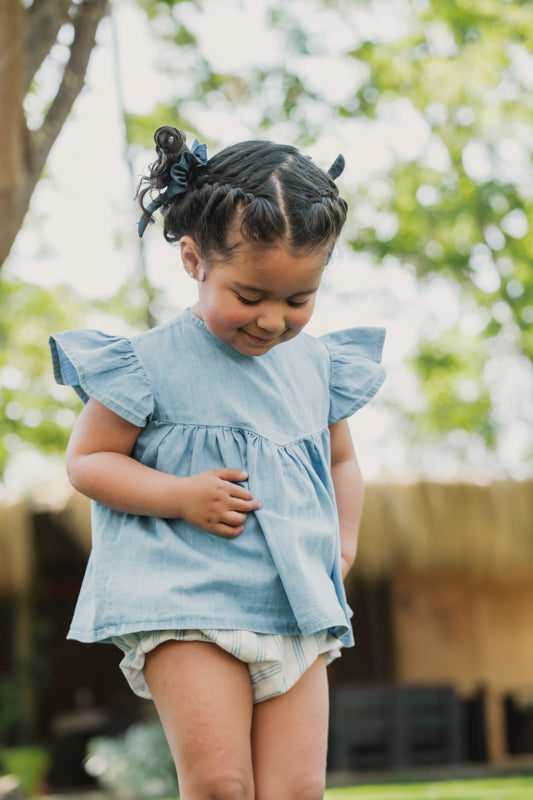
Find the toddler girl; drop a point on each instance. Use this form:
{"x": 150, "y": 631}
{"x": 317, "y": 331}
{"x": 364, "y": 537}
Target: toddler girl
{"x": 227, "y": 494}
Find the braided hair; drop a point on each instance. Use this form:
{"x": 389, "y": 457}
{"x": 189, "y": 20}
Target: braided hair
{"x": 270, "y": 193}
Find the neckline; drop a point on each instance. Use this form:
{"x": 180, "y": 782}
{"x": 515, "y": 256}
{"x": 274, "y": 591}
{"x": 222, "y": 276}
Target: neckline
{"x": 191, "y": 317}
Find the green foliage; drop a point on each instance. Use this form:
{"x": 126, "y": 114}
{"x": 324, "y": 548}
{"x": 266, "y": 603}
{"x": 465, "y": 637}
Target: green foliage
{"x": 462, "y": 207}
{"x": 33, "y": 414}
{"x": 162, "y": 8}
{"x": 449, "y": 370}
{"x": 28, "y": 765}
{"x": 141, "y": 128}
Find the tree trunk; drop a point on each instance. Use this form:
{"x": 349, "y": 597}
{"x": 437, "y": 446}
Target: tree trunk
{"x": 23, "y": 153}
{"x": 12, "y": 125}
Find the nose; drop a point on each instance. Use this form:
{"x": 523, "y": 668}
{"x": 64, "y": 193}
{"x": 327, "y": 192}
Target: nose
{"x": 271, "y": 318}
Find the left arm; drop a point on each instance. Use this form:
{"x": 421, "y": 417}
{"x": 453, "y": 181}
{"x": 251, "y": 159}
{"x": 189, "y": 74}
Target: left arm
{"x": 349, "y": 490}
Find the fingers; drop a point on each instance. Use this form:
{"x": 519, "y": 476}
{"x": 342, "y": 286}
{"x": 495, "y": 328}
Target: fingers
{"x": 217, "y": 503}
{"x": 230, "y": 474}
{"x": 234, "y": 518}
{"x": 244, "y": 506}
{"x": 238, "y": 492}
{"x": 240, "y": 495}
{"x": 232, "y": 521}
{"x": 228, "y": 531}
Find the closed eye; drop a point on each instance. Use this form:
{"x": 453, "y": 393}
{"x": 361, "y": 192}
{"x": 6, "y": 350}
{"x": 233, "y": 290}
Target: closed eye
{"x": 295, "y": 304}
{"x": 247, "y": 302}
{"x": 292, "y": 303}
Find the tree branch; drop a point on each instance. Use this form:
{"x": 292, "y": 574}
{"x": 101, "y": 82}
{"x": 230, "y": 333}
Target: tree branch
{"x": 23, "y": 153}
{"x": 12, "y": 166}
{"x": 44, "y": 19}
{"x": 89, "y": 13}
{"x": 11, "y": 37}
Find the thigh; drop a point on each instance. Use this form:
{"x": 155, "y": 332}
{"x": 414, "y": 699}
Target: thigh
{"x": 289, "y": 739}
{"x": 203, "y": 697}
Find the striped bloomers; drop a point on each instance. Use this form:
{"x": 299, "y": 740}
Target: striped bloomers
{"x": 275, "y": 662}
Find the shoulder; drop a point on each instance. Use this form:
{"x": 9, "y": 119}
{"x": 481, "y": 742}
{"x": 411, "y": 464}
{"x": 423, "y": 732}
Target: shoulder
{"x": 170, "y": 339}
{"x": 170, "y": 328}
{"x": 305, "y": 345}
{"x": 304, "y": 358}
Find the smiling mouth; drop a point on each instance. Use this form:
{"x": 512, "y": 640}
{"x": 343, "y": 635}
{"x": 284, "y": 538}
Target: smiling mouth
{"x": 260, "y": 340}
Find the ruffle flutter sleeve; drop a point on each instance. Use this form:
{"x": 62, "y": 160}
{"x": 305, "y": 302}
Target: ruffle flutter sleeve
{"x": 106, "y": 368}
{"x": 356, "y": 372}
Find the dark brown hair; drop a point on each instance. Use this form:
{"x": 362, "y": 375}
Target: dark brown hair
{"x": 271, "y": 192}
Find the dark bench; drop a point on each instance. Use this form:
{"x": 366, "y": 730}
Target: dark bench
{"x": 390, "y": 727}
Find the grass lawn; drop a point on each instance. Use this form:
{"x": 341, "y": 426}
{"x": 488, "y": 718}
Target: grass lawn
{"x": 486, "y": 789}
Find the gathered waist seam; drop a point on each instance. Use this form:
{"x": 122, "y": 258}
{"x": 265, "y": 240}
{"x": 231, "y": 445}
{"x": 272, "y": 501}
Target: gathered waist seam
{"x": 237, "y": 429}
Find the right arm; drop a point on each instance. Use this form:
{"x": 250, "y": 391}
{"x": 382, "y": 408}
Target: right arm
{"x": 99, "y": 464}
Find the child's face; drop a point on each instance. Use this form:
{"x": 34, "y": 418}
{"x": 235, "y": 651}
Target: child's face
{"x": 261, "y": 298}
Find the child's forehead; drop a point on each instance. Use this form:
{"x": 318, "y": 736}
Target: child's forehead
{"x": 271, "y": 268}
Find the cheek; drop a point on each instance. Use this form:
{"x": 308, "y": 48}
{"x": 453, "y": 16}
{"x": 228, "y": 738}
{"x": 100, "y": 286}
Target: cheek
{"x": 230, "y": 314}
{"x": 220, "y": 310}
{"x": 236, "y": 315}
{"x": 299, "y": 317}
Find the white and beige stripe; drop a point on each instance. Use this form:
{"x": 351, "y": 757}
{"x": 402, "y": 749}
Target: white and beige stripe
{"x": 275, "y": 661}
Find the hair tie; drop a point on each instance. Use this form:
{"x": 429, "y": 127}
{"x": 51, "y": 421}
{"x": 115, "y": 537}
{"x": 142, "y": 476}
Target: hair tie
{"x": 337, "y": 168}
{"x": 179, "y": 180}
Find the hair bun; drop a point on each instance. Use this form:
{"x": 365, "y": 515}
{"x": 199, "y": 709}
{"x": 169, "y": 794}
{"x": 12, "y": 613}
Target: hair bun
{"x": 169, "y": 140}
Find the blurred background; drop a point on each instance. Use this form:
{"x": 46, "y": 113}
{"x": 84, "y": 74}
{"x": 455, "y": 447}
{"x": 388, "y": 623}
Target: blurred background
{"x": 432, "y": 106}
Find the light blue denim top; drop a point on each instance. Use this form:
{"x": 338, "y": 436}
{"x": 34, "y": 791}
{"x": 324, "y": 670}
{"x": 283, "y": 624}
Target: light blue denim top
{"x": 203, "y": 405}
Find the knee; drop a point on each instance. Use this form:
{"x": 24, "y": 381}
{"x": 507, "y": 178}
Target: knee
{"x": 230, "y": 787}
{"x": 220, "y": 785}
{"x": 309, "y": 788}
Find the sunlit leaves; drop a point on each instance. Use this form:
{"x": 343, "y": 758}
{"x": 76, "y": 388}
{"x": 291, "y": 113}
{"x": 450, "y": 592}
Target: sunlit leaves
{"x": 451, "y": 371}
{"x": 463, "y": 204}
{"x": 34, "y": 414}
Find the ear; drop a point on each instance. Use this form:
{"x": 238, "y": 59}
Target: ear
{"x": 192, "y": 261}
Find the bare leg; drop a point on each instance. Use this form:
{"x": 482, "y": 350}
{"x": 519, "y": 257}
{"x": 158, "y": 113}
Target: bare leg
{"x": 289, "y": 740}
{"x": 204, "y": 699}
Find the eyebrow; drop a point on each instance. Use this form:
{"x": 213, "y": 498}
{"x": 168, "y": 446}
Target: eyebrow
{"x": 246, "y": 288}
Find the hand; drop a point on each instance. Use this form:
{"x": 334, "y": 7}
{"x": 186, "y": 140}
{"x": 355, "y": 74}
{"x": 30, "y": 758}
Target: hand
{"x": 214, "y": 502}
